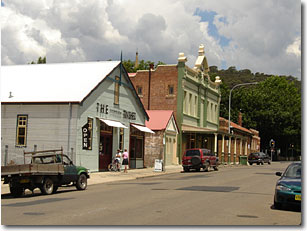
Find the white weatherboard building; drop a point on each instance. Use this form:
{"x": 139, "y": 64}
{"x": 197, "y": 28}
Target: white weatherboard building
{"x": 90, "y": 109}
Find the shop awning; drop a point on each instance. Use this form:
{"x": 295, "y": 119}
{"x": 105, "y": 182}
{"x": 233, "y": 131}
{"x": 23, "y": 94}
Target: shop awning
{"x": 112, "y": 123}
{"x": 142, "y": 128}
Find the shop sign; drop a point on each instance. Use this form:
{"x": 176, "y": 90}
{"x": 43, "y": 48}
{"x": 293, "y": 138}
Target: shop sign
{"x": 105, "y": 109}
{"x": 129, "y": 115}
{"x": 85, "y": 137}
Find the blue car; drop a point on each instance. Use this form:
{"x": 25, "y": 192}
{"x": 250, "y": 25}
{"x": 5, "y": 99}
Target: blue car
{"x": 288, "y": 187}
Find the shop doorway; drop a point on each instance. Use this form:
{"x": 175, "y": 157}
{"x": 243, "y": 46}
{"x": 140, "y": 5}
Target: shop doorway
{"x": 105, "y": 146}
{"x": 136, "y": 148}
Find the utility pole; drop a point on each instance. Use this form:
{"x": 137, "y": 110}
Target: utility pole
{"x": 238, "y": 85}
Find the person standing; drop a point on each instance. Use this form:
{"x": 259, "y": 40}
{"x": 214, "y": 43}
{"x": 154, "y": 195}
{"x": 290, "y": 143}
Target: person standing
{"x": 125, "y": 160}
{"x": 117, "y": 159}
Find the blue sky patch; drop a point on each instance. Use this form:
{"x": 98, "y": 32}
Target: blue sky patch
{"x": 208, "y": 16}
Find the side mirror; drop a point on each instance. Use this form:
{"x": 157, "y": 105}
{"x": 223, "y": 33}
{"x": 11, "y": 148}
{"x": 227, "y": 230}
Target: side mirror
{"x": 278, "y": 173}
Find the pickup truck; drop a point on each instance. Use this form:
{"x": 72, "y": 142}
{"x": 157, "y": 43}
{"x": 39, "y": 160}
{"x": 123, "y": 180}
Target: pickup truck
{"x": 198, "y": 158}
{"x": 47, "y": 171}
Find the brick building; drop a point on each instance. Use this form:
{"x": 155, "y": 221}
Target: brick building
{"x": 195, "y": 101}
{"x": 190, "y": 93}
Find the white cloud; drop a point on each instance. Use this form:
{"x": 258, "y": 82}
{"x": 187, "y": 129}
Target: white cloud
{"x": 295, "y": 47}
{"x": 264, "y": 34}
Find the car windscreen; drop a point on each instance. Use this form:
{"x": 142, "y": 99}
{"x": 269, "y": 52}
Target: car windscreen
{"x": 192, "y": 153}
{"x": 206, "y": 152}
{"x": 293, "y": 171}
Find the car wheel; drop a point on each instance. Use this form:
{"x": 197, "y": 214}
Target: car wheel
{"x": 47, "y": 187}
{"x": 186, "y": 169}
{"x": 258, "y": 163}
{"x": 215, "y": 168}
{"x": 16, "y": 191}
{"x": 250, "y": 163}
{"x": 269, "y": 162}
{"x": 81, "y": 182}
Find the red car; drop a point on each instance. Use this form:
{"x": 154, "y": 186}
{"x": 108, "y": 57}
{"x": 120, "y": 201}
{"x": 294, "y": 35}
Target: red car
{"x": 198, "y": 158}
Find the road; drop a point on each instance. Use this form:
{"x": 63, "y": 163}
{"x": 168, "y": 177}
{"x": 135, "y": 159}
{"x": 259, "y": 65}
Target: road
{"x": 231, "y": 196}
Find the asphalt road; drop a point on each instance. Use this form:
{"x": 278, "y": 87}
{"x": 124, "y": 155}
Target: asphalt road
{"x": 231, "y": 196}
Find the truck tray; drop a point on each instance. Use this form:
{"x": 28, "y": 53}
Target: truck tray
{"x": 32, "y": 169}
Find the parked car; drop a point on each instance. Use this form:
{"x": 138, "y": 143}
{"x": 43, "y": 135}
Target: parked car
{"x": 198, "y": 158}
{"x": 258, "y": 158}
{"x": 288, "y": 187}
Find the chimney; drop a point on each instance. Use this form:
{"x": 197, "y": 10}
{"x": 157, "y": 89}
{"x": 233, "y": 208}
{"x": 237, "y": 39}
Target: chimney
{"x": 240, "y": 119}
{"x": 136, "y": 64}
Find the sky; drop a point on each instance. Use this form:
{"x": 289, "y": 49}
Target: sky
{"x": 263, "y": 36}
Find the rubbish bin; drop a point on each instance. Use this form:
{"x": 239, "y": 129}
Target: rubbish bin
{"x": 243, "y": 160}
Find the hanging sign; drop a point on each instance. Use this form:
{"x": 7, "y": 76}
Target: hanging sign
{"x": 85, "y": 137}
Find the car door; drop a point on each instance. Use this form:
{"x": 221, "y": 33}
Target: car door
{"x": 70, "y": 171}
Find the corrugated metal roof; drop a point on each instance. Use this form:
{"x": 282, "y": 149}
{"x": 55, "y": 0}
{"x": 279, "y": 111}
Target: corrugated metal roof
{"x": 158, "y": 119}
{"x": 64, "y": 82}
{"x": 234, "y": 125}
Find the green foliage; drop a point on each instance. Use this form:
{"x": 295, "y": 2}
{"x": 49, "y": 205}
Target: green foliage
{"x": 40, "y": 60}
{"x": 273, "y": 106}
{"x": 143, "y": 65}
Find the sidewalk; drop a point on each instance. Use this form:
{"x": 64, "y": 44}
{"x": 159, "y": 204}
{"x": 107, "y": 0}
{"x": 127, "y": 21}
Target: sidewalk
{"x": 105, "y": 177}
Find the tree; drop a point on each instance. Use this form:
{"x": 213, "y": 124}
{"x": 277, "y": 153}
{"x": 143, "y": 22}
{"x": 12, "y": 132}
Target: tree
{"x": 143, "y": 65}
{"x": 40, "y": 60}
{"x": 273, "y": 107}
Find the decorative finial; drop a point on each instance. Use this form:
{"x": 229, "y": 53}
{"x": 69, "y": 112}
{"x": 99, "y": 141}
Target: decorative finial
{"x": 201, "y": 50}
{"x": 218, "y": 80}
{"x": 182, "y": 58}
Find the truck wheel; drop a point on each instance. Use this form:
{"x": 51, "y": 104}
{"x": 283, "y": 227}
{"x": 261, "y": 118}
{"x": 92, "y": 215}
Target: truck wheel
{"x": 47, "y": 187}
{"x": 186, "y": 169}
{"x": 81, "y": 183}
{"x": 16, "y": 191}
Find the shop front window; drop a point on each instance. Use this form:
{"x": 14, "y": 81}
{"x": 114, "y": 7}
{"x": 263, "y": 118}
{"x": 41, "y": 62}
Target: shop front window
{"x": 191, "y": 140}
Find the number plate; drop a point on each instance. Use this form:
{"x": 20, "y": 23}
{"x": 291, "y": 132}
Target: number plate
{"x": 24, "y": 181}
{"x": 298, "y": 197}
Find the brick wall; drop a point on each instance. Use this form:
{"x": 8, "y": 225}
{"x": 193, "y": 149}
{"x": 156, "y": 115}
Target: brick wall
{"x": 161, "y": 78}
{"x": 154, "y": 148}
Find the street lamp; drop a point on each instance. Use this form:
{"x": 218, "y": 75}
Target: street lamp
{"x": 238, "y": 85}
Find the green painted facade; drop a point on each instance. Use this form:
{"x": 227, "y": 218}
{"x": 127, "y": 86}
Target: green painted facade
{"x": 198, "y": 105}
